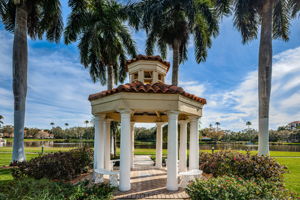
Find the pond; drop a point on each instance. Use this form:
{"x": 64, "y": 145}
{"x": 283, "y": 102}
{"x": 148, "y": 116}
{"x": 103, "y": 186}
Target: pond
{"x": 223, "y": 146}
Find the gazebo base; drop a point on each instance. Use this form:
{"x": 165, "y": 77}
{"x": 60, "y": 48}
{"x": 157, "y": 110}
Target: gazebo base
{"x": 150, "y": 183}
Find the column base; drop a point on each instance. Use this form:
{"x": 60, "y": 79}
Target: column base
{"x": 124, "y": 188}
{"x": 172, "y": 188}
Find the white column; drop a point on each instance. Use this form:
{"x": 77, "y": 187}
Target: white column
{"x": 155, "y": 76}
{"x": 107, "y": 145}
{"x": 194, "y": 144}
{"x": 172, "y": 168}
{"x": 125, "y": 151}
{"x": 99, "y": 142}
{"x": 112, "y": 142}
{"x": 132, "y": 143}
{"x": 159, "y": 144}
{"x": 183, "y": 146}
{"x": 141, "y": 76}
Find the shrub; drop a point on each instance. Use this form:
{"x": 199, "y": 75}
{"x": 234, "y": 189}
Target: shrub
{"x": 234, "y": 188}
{"x": 56, "y": 166}
{"x": 44, "y": 189}
{"x": 243, "y": 165}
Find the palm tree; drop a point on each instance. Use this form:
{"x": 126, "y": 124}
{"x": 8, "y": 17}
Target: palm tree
{"x": 218, "y": 124}
{"x": 52, "y": 124}
{"x": 1, "y": 118}
{"x": 104, "y": 39}
{"x": 86, "y": 123}
{"x": 172, "y": 22}
{"x": 34, "y": 19}
{"x": 66, "y": 124}
{"x": 248, "y": 123}
{"x": 273, "y": 18}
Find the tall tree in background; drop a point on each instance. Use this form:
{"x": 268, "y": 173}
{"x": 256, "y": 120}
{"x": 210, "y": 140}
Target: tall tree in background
{"x": 104, "y": 39}
{"x": 218, "y": 124}
{"x": 172, "y": 22}
{"x": 248, "y": 123}
{"x": 66, "y": 124}
{"x": 86, "y": 123}
{"x": 273, "y": 19}
{"x": 1, "y": 122}
{"x": 33, "y": 18}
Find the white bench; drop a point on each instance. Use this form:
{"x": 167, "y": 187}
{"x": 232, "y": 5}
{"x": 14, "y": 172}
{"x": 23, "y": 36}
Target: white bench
{"x": 113, "y": 176}
{"x": 186, "y": 177}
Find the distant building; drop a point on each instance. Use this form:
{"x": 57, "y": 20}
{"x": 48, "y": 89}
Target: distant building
{"x": 294, "y": 125}
{"x": 206, "y": 138}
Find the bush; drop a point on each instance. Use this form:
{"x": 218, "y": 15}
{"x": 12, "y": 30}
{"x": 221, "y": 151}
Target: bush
{"x": 44, "y": 189}
{"x": 234, "y": 188}
{"x": 56, "y": 166}
{"x": 245, "y": 166}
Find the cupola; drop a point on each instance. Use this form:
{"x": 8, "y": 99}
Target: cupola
{"x": 147, "y": 69}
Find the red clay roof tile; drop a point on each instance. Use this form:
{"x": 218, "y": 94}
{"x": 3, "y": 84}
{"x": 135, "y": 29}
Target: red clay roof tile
{"x": 139, "y": 87}
{"x": 143, "y": 57}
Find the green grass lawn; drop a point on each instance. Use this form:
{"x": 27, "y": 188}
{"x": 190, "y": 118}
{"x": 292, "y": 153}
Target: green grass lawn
{"x": 290, "y": 159}
{"x": 38, "y": 149}
{"x": 292, "y": 179}
{"x": 5, "y": 159}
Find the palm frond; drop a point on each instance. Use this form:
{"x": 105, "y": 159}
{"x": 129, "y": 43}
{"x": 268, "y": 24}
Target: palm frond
{"x": 34, "y": 10}
{"x": 3, "y": 4}
{"x": 294, "y": 5}
{"x": 76, "y": 20}
{"x": 122, "y": 68}
{"x": 223, "y": 7}
{"x": 281, "y": 20}
{"x": 246, "y": 19}
{"x": 201, "y": 41}
{"x": 133, "y": 13}
{"x": 84, "y": 48}
{"x": 128, "y": 43}
{"x": 162, "y": 46}
{"x": 150, "y": 43}
{"x": 8, "y": 16}
{"x": 51, "y": 21}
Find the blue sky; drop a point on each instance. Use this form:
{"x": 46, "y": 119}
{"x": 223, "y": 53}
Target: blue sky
{"x": 59, "y": 85}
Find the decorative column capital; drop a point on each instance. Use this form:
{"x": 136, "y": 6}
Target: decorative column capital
{"x": 125, "y": 111}
{"x": 172, "y": 113}
{"x": 99, "y": 117}
{"x": 194, "y": 118}
{"x": 183, "y": 122}
{"x": 108, "y": 120}
{"x": 159, "y": 124}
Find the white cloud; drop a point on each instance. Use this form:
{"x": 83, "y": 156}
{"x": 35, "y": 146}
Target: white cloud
{"x": 234, "y": 107}
{"x": 58, "y": 86}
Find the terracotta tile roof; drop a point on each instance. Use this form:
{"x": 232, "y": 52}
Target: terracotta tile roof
{"x": 143, "y": 57}
{"x": 295, "y": 122}
{"x": 139, "y": 87}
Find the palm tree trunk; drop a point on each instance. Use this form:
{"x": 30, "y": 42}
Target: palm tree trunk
{"x": 175, "y": 47}
{"x": 265, "y": 76}
{"x": 20, "y": 54}
{"x": 110, "y": 77}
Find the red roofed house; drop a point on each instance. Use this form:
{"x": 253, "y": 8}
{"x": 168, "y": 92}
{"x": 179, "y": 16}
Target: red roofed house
{"x": 147, "y": 99}
{"x": 294, "y": 125}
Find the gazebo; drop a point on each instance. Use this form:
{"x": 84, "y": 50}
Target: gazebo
{"x": 147, "y": 99}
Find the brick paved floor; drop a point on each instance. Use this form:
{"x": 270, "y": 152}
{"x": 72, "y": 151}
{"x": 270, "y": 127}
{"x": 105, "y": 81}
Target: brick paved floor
{"x": 148, "y": 182}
